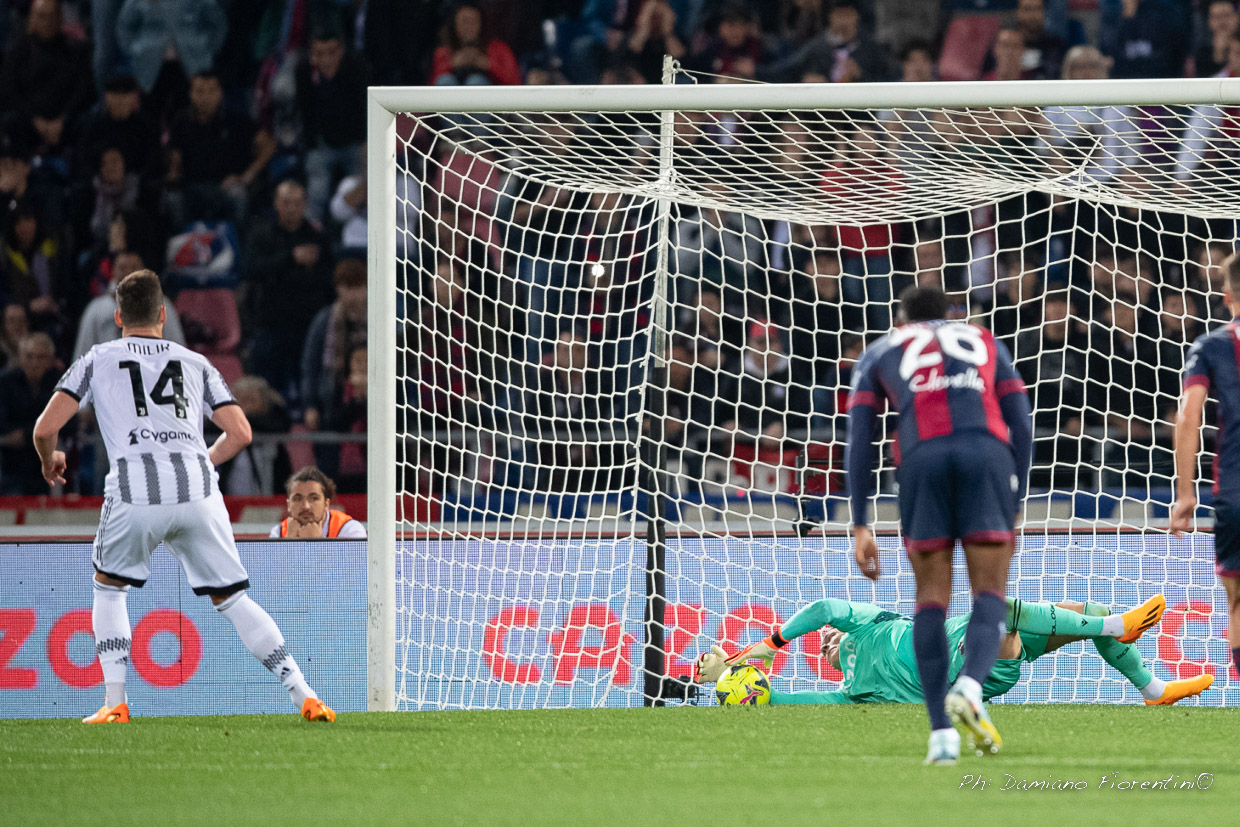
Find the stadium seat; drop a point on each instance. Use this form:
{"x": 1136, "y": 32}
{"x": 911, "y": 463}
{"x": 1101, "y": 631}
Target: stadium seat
{"x": 300, "y": 452}
{"x": 965, "y": 45}
{"x": 82, "y": 517}
{"x": 265, "y": 514}
{"x": 213, "y": 327}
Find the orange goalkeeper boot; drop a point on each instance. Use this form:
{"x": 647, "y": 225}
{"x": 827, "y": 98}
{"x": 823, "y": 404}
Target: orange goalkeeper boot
{"x": 1138, "y": 620}
{"x": 315, "y": 710}
{"x": 118, "y": 714}
{"x": 1179, "y": 690}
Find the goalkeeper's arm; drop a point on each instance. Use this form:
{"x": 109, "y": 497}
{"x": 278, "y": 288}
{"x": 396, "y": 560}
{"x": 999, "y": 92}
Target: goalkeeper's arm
{"x": 839, "y": 614}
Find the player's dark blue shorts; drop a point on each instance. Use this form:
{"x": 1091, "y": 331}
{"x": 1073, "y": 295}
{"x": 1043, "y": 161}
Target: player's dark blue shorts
{"x": 1226, "y": 539}
{"x": 960, "y": 487}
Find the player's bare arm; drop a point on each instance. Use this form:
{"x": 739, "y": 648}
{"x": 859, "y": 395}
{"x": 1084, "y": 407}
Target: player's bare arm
{"x": 865, "y": 552}
{"x": 236, "y": 433}
{"x": 60, "y": 409}
{"x": 1187, "y": 429}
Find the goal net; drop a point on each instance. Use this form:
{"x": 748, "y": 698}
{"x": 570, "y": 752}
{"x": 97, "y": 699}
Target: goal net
{"x": 625, "y": 322}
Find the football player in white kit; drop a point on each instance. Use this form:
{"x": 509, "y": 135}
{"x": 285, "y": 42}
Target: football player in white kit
{"x": 149, "y": 396}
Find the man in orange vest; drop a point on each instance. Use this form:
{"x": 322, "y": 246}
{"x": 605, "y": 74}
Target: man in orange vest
{"x": 310, "y": 495}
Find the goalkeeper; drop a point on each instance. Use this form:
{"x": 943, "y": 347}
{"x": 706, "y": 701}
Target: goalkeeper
{"x": 874, "y": 649}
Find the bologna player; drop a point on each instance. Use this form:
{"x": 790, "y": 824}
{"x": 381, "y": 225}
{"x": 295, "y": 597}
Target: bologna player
{"x": 149, "y": 395}
{"x": 963, "y": 451}
{"x": 873, "y": 648}
{"x": 1213, "y": 366}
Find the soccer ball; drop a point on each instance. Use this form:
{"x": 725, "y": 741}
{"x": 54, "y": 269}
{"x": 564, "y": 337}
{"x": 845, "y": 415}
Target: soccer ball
{"x": 743, "y": 686}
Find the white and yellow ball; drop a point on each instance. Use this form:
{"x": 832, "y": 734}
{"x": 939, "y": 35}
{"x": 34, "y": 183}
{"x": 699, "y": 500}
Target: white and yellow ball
{"x": 743, "y": 685}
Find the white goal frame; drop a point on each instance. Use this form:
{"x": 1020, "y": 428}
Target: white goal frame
{"x": 383, "y": 105}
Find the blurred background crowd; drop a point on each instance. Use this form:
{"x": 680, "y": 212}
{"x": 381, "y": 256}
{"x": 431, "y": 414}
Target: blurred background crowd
{"x": 222, "y": 144}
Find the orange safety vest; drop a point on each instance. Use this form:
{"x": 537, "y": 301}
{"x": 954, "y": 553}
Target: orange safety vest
{"x": 335, "y": 522}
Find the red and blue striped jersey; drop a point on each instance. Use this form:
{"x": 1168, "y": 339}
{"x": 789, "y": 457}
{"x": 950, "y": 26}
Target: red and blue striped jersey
{"x": 942, "y": 377}
{"x": 1214, "y": 361}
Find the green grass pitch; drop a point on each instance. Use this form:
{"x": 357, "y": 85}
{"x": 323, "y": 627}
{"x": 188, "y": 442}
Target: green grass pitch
{"x": 788, "y": 765}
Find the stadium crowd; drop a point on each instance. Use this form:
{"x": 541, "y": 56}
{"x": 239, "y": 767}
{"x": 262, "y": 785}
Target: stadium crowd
{"x": 221, "y": 143}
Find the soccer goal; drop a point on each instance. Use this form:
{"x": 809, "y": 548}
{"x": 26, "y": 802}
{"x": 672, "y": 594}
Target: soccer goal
{"x": 612, "y": 330}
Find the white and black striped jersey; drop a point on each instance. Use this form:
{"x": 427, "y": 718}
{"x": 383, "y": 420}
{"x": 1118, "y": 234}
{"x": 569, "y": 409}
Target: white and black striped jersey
{"x": 150, "y": 396}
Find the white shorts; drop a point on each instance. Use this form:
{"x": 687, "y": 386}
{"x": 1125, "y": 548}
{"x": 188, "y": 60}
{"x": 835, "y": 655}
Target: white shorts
{"x": 197, "y": 533}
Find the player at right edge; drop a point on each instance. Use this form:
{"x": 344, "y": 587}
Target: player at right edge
{"x": 1213, "y": 365}
{"x": 963, "y": 449}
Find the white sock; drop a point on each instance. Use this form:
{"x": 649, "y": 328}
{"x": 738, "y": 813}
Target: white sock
{"x": 1113, "y": 626}
{"x": 969, "y": 687}
{"x": 109, "y": 620}
{"x": 262, "y": 637}
{"x": 1153, "y": 690}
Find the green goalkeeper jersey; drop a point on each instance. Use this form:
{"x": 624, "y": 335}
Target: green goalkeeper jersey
{"x": 879, "y": 665}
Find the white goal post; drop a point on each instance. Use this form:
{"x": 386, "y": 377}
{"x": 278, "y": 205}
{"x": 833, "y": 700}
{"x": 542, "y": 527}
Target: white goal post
{"x": 976, "y": 166}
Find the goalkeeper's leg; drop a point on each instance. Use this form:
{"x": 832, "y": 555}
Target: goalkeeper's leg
{"x": 1057, "y": 619}
{"x": 1126, "y": 660}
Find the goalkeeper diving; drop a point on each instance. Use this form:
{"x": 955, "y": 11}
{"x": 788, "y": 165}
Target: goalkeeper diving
{"x": 873, "y": 648}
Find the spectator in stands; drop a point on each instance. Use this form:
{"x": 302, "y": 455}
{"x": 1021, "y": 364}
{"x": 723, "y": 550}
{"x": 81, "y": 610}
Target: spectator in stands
{"x": 348, "y": 209}
{"x": 254, "y": 471}
{"x": 1211, "y": 130}
{"x": 736, "y": 49}
{"x": 17, "y": 189}
{"x": 347, "y": 415}
{"x": 112, "y": 191}
{"x": 130, "y": 231}
{"x": 32, "y": 264}
{"x": 16, "y": 324}
{"x": 758, "y": 405}
{"x": 605, "y": 24}
{"x": 214, "y": 156}
{"x": 1008, "y": 55}
{"x": 723, "y": 251}
{"x": 866, "y": 250}
{"x": 841, "y": 55}
{"x": 1206, "y": 280}
{"x": 98, "y": 323}
{"x": 337, "y": 331}
{"x": 288, "y": 281}
{"x": 917, "y": 62}
{"x": 1110, "y": 136}
{"x": 46, "y": 78}
{"x": 699, "y": 351}
{"x": 818, "y": 318}
{"x": 469, "y": 55}
{"x": 24, "y": 391}
{"x": 1132, "y": 409}
{"x": 1051, "y": 359}
{"x": 167, "y": 43}
{"x": 122, "y": 124}
{"x": 310, "y": 512}
{"x": 1149, "y": 40}
{"x": 1044, "y": 50}
{"x": 1222, "y": 23}
{"x": 331, "y": 100}
{"x": 566, "y": 410}
{"x": 653, "y": 36}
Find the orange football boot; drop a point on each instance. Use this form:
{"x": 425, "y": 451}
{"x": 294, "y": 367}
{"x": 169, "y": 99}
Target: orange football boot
{"x": 118, "y": 714}
{"x": 315, "y": 710}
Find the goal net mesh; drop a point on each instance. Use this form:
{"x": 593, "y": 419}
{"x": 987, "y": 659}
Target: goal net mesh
{"x": 542, "y": 257}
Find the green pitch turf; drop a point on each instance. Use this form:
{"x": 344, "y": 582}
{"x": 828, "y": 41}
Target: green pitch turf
{"x": 766, "y": 766}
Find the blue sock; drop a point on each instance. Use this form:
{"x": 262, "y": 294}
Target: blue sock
{"x": 930, "y": 648}
{"x": 983, "y": 635}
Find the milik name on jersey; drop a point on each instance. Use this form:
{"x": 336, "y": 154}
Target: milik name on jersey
{"x": 157, "y": 436}
{"x": 935, "y": 381}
